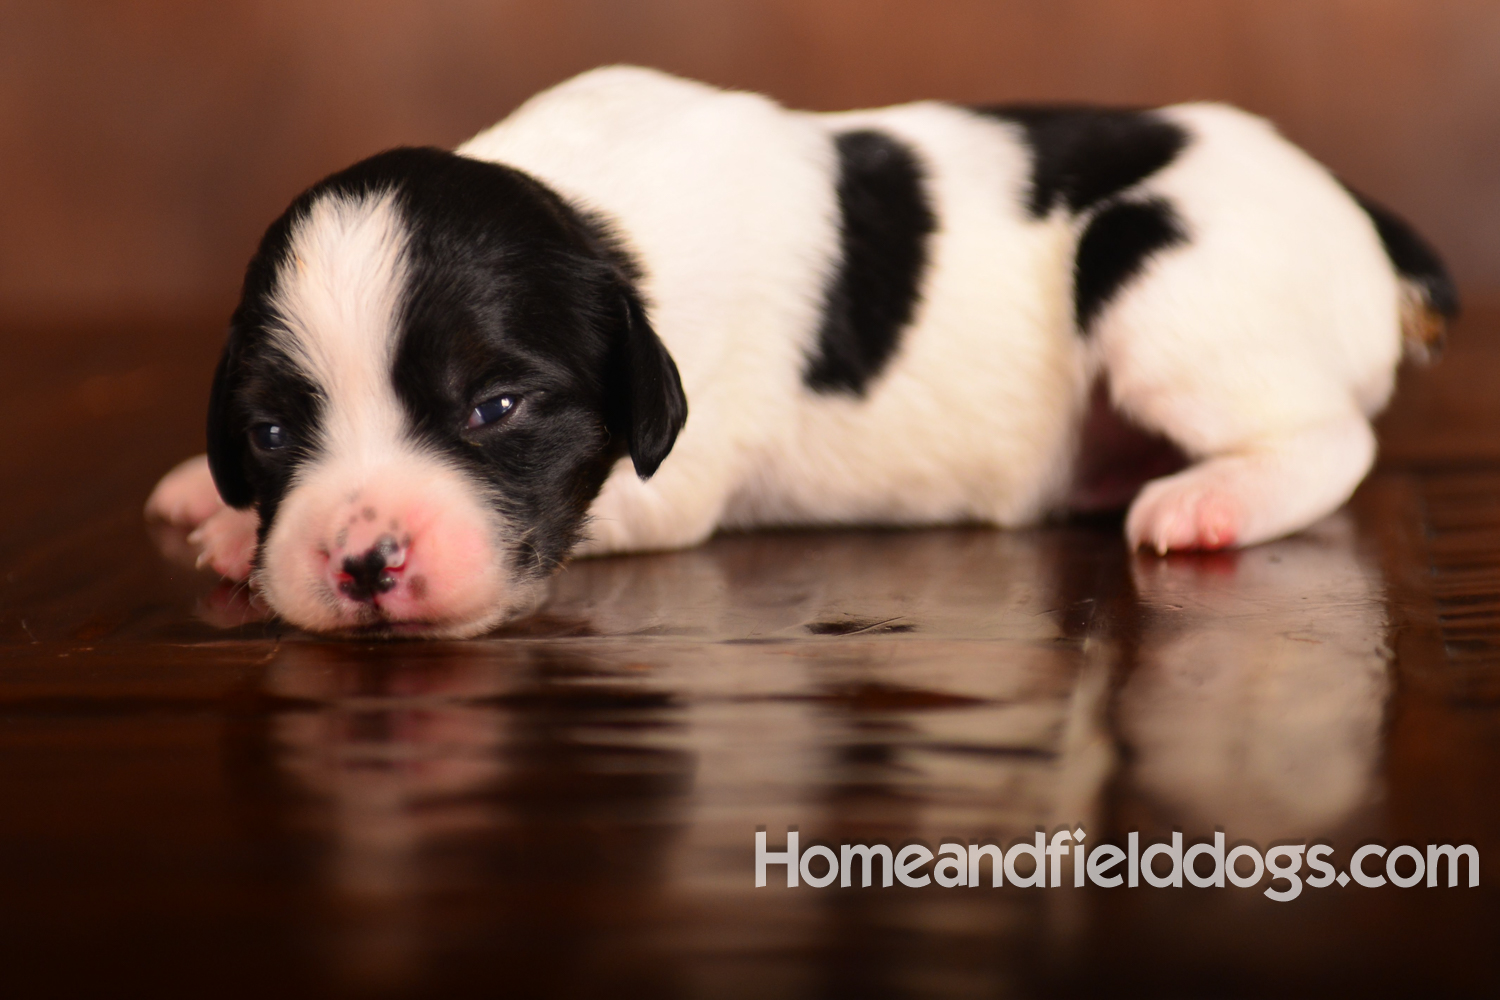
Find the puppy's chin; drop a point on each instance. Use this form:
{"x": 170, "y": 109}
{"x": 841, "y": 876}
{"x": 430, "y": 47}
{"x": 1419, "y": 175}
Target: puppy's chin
{"x": 405, "y": 547}
{"x": 524, "y": 600}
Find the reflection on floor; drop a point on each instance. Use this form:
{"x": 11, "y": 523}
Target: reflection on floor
{"x": 797, "y": 681}
{"x": 1260, "y": 686}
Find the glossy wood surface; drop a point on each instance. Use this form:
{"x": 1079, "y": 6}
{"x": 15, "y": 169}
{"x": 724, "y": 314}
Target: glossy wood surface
{"x": 194, "y": 803}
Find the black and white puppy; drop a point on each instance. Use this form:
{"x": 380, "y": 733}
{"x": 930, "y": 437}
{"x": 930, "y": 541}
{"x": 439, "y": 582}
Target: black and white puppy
{"x": 450, "y": 371}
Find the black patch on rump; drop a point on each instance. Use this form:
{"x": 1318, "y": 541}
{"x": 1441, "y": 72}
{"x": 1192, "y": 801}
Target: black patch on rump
{"x": 1412, "y": 256}
{"x": 884, "y": 223}
{"x": 1084, "y": 155}
{"x": 1115, "y": 247}
{"x": 510, "y": 291}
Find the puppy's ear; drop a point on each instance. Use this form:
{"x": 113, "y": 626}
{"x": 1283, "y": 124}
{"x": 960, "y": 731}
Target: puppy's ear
{"x": 227, "y": 445}
{"x": 651, "y": 405}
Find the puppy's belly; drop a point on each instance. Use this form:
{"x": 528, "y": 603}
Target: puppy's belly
{"x": 984, "y": 474}
{"x": 1000, "y": 476}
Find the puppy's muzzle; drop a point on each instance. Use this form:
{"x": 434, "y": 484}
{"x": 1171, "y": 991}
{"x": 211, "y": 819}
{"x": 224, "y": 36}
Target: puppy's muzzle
{"x": 364, "y": 577}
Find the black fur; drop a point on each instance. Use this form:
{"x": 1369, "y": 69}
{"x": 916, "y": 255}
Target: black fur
{"x": 255, "y": 383}
{"x": 1085, "y": 155}
{"x": 884, "y": 222}
{"x": 1115, "y": 247}
{"x": 228, "y": 437}
{"x": 1412, "y": 256}
{"x": 510, "y": 291}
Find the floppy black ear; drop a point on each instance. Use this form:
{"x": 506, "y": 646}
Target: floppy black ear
{"x": 654, "y": 405}
{"x": 227, "y": 445}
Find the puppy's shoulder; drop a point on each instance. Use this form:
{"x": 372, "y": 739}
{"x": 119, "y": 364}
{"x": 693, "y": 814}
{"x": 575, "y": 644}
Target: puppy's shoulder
{"x": 613, "y": 108}
{"x": 604, "y": 93}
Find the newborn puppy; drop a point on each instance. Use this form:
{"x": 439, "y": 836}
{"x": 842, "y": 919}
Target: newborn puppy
{"x": 449, "y": 371}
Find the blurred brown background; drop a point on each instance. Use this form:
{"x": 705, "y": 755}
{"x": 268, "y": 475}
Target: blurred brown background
{"x": 144, "y": 146}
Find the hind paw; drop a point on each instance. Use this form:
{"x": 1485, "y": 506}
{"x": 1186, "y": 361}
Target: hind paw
{"x": 1182, "y": 512}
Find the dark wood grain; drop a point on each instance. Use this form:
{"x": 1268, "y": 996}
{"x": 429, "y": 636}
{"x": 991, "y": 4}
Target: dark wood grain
{"x": 194, "y": 801}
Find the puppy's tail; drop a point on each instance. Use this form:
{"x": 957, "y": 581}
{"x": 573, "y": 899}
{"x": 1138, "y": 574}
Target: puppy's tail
{"x": 1429, "y": 298}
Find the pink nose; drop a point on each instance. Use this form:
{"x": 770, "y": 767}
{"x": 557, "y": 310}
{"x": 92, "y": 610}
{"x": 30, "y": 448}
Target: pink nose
{"x": 376, "y": 571}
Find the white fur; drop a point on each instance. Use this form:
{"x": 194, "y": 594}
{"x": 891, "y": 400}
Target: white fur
{"x": 679, "y": 166}
{"x": 1262, "y": 345}
{"x": 337, "y": 298}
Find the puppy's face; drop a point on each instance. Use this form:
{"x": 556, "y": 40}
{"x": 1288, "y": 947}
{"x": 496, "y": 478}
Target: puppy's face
{"x": 434, "y": 366}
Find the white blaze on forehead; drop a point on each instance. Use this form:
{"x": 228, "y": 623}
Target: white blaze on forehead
{"x": 338, "y": 297}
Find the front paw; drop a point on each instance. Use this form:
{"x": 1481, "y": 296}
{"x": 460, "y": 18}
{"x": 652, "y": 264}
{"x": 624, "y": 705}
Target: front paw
{"x": 226, "y": 542}
{"x": 1183, "y": 512}
{"x": 186, "y": 496}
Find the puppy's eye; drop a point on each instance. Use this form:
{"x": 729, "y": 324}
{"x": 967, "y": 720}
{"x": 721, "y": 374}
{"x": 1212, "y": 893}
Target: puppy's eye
{"x": 269, "y": 437}
{"x": 491, "y": 410}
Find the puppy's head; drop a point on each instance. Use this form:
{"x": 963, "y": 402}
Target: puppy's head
{"x": 434, "y": 366}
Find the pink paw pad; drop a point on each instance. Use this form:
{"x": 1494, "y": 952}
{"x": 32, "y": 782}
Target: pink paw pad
{"x": 1218, "y": 524}
{"x": 1186, "y": 521}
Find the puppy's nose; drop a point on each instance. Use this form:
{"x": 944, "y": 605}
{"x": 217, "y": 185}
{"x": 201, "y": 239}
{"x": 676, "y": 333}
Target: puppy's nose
{"x": 369, "y": 575}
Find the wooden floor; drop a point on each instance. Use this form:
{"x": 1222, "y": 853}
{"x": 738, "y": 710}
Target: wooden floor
{"x": 193, "y": 803}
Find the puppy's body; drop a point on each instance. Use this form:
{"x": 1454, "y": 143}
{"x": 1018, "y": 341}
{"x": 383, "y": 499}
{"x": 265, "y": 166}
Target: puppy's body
{"x": 732, "y": 205}
{"x": 894, "y": 316}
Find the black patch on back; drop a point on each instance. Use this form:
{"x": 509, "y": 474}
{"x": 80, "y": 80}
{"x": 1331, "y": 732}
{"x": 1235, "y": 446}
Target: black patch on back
{"x": 884, "y": 222}
{"x": 1085, "y": 155}
{"x": 1412, "y": 256}
{"x": 1115, "y": 247}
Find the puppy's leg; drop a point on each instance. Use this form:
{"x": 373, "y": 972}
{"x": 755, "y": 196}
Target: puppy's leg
{"x": 1262, "y": 491}
{"x": 1242, "y": 304}
{"x": 226, "y": 542}
{"x": 678, "y": 507}
{"x": 185, "y": 496}
{"x": 224, "y": 537}
{"x": 1274, "y": 415}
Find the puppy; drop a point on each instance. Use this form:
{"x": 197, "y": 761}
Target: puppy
{"x": 450, "y": 371}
